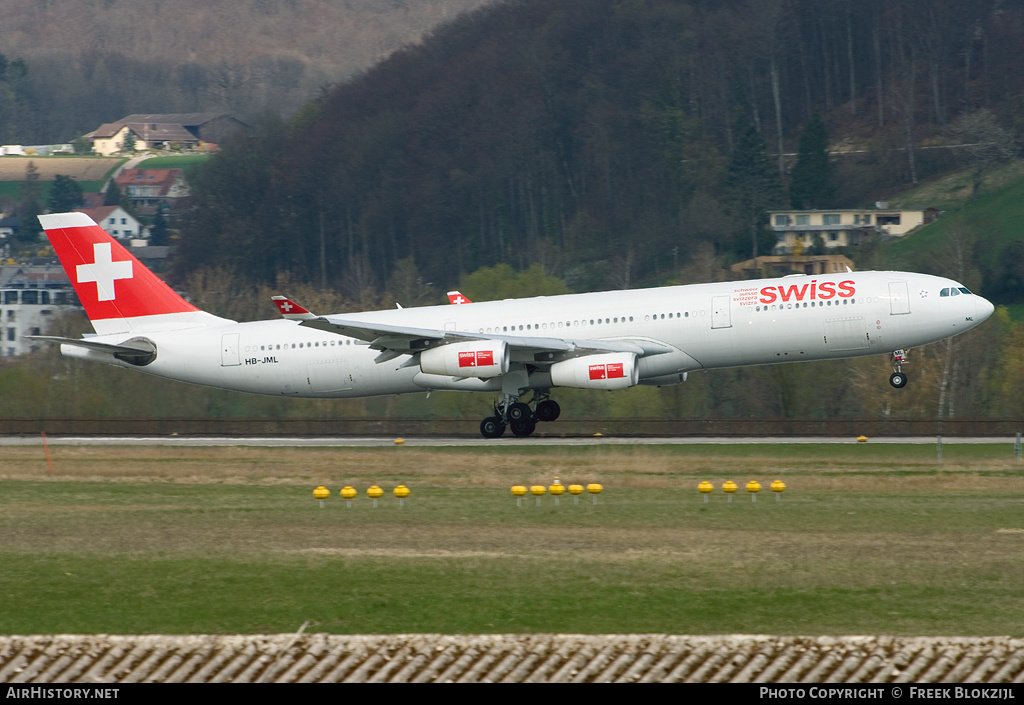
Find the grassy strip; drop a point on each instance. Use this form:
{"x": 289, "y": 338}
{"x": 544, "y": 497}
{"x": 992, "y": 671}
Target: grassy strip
{"x": 13, "y": 189}
{"x": 86, "y": 594}
{"x": 187, "y": 162}
{"x": 174, "y": 557}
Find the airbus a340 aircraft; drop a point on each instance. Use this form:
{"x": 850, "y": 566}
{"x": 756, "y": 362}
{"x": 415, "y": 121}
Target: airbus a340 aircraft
{"x": 607, "y": 340}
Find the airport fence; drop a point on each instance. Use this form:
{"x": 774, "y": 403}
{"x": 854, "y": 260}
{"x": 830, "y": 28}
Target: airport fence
{"x": 412, "y": 427}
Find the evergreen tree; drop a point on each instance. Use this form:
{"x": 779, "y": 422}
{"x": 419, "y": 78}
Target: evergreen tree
{"x": 112, "y": 196}
{"x": 811, "y": 185}
{"x": 160, "y": 234}
{"x": 31, "y": 204}
{"x": 755, "y": 187}
{"x": 65, "y": 195}
{"x": 128, "y": 144}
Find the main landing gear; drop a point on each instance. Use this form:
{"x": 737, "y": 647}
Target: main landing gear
{"x": 518, "y": 416}
{"x": 898, "y": 378}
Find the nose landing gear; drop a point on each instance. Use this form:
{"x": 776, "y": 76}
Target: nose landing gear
{"x": 898, "y": 379}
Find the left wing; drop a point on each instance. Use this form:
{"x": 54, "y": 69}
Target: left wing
{"x": 394, "y": 341}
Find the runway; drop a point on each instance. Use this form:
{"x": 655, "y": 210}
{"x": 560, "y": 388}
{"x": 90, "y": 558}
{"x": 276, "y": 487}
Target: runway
{"x": 511, "y": 442}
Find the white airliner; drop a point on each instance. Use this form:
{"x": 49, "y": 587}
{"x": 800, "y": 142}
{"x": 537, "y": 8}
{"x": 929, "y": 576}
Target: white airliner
{"x": 607, "y": 340}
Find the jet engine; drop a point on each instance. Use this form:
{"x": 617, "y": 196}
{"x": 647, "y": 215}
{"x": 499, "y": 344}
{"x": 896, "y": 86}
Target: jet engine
{"x": 609, "y": 371}
{"x": 478, "y": 358}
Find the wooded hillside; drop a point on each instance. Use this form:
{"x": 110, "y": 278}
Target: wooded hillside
{"x": 610, "y": 141}
{"x": 76, "y": 64}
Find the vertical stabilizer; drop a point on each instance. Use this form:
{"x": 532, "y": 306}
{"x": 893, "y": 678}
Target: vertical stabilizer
{"x": 119, "y": 293}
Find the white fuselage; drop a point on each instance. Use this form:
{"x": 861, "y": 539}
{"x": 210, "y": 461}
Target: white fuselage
{"x": 698, "y": 326}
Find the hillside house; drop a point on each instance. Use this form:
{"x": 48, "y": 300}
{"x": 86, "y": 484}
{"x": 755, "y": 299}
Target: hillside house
{"x": 797, "y": 230}
{"x": 768, "y": 266}
{"x": 116, "y": 221}
{"x": 108, "y": 139}
{"x": 150, "y": 188}
{"x": 163, "y": 131}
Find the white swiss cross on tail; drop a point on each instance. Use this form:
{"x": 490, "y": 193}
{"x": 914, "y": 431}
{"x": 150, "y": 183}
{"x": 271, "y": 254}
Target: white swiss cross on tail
{"x": 104, "y": 271}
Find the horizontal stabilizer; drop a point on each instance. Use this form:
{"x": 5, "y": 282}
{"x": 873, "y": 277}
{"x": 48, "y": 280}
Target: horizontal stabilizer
{"x": 137, "y": 351}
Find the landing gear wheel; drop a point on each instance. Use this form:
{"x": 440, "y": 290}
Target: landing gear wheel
{"x": 898, "y": 380}
{"x": 523, "y": 427}
{"x": 519, "y": 411}
{"x": 548, "y": 410}
{"x": 492, "y": 427}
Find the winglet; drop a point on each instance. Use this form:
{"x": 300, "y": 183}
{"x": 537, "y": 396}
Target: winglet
{"x": 291, "y": 310}
{"x": 455, "y": 298}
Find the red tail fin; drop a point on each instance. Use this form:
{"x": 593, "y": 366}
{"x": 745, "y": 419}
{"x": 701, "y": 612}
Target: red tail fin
{"x": 119, "y": 293}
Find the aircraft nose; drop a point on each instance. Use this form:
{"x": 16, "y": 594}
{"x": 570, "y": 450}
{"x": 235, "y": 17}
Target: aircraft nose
{"x": 983, "y": 308}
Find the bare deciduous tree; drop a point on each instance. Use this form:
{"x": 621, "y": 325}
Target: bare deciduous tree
{"x": 984, "y": 143}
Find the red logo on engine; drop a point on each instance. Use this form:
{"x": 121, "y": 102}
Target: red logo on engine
{"x": 476, "y": 358}
{"x": 613, "y": 370}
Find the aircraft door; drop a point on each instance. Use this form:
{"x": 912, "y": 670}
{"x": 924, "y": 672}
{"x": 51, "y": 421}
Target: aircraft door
{"x": 844, "y": 334}
{"x": 331, "y": 376}
{"x": 229, "y": 351}
{"x": 720, "y": 314}
{"x": 899, "y": 299}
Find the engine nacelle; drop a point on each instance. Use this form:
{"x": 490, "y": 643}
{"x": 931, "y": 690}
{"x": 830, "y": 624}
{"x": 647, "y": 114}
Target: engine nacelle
{"x": 608, "y": 371}
{"x": 478, "y": 358}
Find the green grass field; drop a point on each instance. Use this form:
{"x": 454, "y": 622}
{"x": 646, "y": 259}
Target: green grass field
{"x": 867, "y": 539}
{"x": 187, "y": 162}
{"x": 13, "y": 189}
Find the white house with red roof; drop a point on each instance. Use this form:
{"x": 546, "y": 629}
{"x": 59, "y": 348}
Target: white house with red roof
{"x": 118, "y": 222}
{"x": 150, "y": 187}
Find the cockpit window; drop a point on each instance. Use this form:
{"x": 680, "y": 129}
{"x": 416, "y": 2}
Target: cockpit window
{"x": 965, "y": 290}
{"x": 944, "y": 292}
